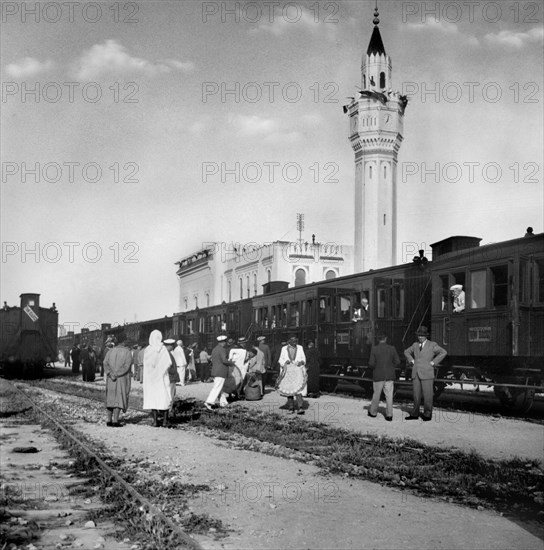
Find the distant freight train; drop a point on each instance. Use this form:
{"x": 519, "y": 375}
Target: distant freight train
{"x": 497, "y": 339}
{"x": 28, "y": 337}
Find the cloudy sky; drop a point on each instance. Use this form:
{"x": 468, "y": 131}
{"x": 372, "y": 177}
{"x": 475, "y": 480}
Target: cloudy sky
{"x": 132, "y": 132}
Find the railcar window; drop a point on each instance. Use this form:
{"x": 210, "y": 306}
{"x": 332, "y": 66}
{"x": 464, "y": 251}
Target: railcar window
{"x": 398, "y": 301}
{"x": 522, "y": 281}
{"x": 309, "y": 312}
{"x": 325, "y": 309}
{"x": 478, "y": 289}
{"x": 539, "y": 277}
{"x": 381, "y": 295}
{"x": 444, "y": 294}
{"x": 499, "y": 279}
{"x": 344, "y": 309}
{"x": 294, "y": 314}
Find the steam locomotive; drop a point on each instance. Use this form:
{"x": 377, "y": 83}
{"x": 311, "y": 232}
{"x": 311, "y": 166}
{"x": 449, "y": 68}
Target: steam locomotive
{"x": 28, "y": 337}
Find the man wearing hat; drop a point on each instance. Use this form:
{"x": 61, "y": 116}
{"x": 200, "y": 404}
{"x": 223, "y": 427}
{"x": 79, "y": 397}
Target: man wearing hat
{"x": 220, "y": 371}
{"x": 458, "y": 298}
{"x": 423, "y": 355}
{"x": 181, "y": 361}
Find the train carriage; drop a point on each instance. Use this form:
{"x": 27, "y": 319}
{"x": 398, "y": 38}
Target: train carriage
{"x": 499, "y": 335}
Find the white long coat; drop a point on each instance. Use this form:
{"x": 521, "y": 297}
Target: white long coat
{"x": 156, "y": 383}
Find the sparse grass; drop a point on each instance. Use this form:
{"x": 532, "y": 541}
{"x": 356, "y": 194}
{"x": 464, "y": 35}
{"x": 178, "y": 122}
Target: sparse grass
{"x": 463, "y": 477}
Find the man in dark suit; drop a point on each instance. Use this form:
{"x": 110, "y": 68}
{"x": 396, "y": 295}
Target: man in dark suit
{"x": 383, "y": 360}
{"x": 424, "y": 355}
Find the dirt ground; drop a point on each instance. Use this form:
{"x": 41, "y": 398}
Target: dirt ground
{"x": 41, "y": 484}
{"x": 275, "y": 503}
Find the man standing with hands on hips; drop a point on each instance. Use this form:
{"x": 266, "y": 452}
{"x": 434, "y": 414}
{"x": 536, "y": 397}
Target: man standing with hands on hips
{"x": 423, "y": 355}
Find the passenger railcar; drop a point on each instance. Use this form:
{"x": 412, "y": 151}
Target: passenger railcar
{"x": 499, "y": 336}
{"x": 498, "y": 340}
{"x": 28, "y": 337}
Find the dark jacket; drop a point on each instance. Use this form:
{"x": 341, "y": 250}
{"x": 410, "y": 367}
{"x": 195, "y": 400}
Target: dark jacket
{"x": 383, "y": 360}
{"x": 220, "y": 361}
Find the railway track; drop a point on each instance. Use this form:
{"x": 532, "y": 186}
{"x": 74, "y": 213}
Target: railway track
{"x": 151, "y": 519}
{"x": 349, "y": 453}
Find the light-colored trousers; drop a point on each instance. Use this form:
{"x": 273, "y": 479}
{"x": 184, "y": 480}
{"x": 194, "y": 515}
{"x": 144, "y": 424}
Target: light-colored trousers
{"x": 387, "y": 387}
{"x": 181, "y": 372}
{"x": 216, "y": 392}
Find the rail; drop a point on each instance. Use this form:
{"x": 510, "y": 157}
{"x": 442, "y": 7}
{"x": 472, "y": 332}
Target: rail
{"x": 183, "y": 536}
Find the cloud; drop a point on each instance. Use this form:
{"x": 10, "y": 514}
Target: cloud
{"x": 516, "y": 40}
{"x": 267, "y": 129}
{"x": 28, "y": 66}
{"x": 295, "y": 18}
{"x": 444, "y": 28}
{"x": 112, "y": 57}
{"x": 434, "y": 25}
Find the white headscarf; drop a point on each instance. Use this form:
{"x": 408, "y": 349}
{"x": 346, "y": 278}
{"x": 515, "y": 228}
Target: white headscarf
{"x": 152, "y": 352}
{"x": 155, "y": 340}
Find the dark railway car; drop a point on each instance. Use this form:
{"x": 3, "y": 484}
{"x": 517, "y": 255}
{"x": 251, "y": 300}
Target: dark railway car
{"x": 499, "y": 336}
{"x": 138, "y": 333}
{"x": 343, "y": 316}
{"x": 28, "y": 337}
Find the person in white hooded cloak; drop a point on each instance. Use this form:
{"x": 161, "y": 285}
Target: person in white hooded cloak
{"x": 156, "y": 383}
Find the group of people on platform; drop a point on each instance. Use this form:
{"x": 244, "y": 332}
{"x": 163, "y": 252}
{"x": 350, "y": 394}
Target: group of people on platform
{"x": 163, "y": 364}
{"x": 298, "y": 371}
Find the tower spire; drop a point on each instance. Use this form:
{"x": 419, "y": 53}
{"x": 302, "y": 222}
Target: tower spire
{"x": 376, "y": 44}
{"x": 376, "y": 14}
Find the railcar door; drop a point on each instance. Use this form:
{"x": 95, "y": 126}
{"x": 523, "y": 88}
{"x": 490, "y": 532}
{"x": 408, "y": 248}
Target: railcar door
{"x": 325, "y": 323}
{"x": 389, "y": 310}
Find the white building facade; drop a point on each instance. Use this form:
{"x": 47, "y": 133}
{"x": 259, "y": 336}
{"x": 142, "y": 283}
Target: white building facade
{"x": 220, "y": 274}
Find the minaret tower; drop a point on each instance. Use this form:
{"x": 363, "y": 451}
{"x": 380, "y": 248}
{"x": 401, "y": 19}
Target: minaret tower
{"x": 376, "y": 125}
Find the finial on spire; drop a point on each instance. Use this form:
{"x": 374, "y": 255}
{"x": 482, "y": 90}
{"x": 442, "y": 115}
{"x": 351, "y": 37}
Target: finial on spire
{"x": 376, "y": 14}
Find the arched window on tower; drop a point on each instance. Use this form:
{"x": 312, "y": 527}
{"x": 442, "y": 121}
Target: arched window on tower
{"x": 364, "y": 82}
{"x": 248, "y": 287}
{"x": 255, "y": 284}
{"x": 330, "y": 275}
{"x": 241, "y": 288}
{"x": 269, "y": 275}
{"x": 382, "y": 80}
{"x": 300, "y": 277}
{"x": 370, "y": 172}
{"x": 384, "y": 171}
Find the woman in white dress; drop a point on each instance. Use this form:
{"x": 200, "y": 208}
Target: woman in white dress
{"x": 293, "y": 378}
